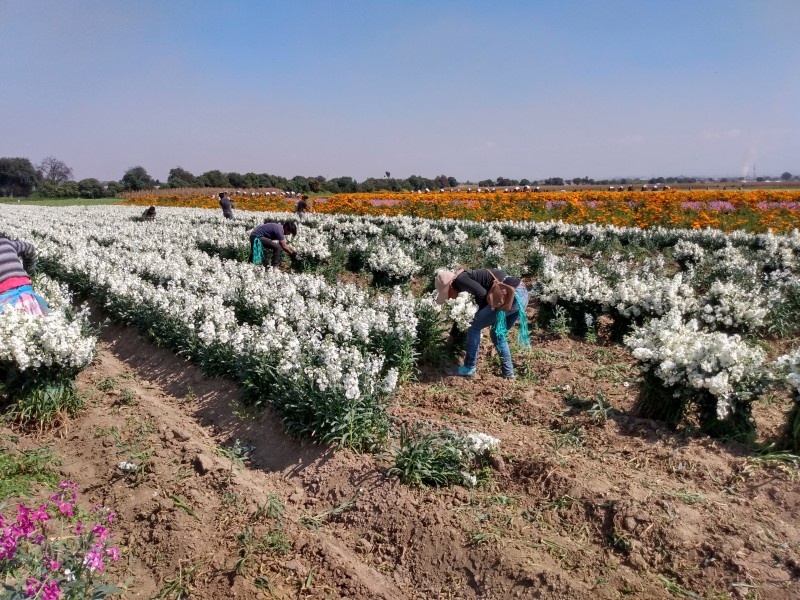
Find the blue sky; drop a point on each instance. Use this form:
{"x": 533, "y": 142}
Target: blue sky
{"x": 472, "y": 89}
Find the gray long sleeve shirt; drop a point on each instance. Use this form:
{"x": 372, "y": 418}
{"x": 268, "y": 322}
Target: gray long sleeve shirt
{"x": 17, "y": 259}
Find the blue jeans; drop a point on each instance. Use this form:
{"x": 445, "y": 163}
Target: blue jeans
{"x": 486, "y": 317}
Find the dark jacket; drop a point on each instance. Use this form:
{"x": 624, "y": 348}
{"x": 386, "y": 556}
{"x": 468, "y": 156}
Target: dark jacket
{"x": 478, "y": 282}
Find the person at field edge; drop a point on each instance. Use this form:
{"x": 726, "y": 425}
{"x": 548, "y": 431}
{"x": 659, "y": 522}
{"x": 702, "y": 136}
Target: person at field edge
{"x": 272, "y": 236}
{"x": 149, "y": 214}
{"x": 302, "y": 206}
{"x": 478, "y": 282}
{"x": 17, "y": 259}
{"x": 227, "y": 205}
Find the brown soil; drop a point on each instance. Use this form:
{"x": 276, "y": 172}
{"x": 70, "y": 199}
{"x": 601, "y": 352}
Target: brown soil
{"x": 576, "y": 507}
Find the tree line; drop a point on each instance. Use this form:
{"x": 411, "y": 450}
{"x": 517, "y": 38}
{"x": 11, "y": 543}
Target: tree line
{"x": 52, "y": 178}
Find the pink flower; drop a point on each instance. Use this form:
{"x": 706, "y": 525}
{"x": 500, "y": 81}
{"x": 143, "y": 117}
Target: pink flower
{"x": 69, "y": 486}
{"x": 8, "y": 547}
{"x": 113, "y": 553}
{"x": 40, "y": 514}
{"x": 32, "y": 586}
{"x": 93, "y": 560}
{"x": 101, "y": 532}
{"x": 79, "y": 527}
{"x": 54, "y": 565}
{"x": 111, "y": 516}
{"x": 65, "y": 508}
{"x": 50, "y": 591}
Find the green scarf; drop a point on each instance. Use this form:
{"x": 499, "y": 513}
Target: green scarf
{"x": 258, "y": 252}
{"x": 501, "y": 330}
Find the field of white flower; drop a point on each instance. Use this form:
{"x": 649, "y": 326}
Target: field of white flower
{"x": 692, "y": 305}
{"x": 346, "y": 345}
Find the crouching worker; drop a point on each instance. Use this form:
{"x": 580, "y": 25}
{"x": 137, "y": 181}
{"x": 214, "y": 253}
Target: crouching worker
{"x": 149, "y": 214}
{"x": 17, "y": 259}
{"x": 271, "y": 236}
{"x": 498, "y": 309}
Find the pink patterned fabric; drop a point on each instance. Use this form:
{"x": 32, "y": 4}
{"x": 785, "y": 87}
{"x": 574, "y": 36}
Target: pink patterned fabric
{"x": 29, "y": 304}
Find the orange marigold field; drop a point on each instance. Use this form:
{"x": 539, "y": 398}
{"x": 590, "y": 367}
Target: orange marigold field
{"x": 755, "y": 211}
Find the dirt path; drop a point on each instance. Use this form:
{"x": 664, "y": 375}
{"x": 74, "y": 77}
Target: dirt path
{"x": 577, "y": 507}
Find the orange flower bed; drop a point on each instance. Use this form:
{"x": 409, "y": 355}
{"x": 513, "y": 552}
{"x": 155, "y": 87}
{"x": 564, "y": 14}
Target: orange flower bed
{"x": 756, "y": 211}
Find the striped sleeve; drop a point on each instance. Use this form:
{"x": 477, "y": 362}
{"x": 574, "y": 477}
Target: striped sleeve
{"x": 12, "y": 252}
{"x": 27, "y": 253}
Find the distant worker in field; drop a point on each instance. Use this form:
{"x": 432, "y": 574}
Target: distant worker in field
{"x": 227, "y": 205}
{"x": 501, "y": 300}
{"x": 301, "y": 206}
{"x": 17, "y": 260}
{"x": 271, "y": 236}
{"x": 149, "y": 214}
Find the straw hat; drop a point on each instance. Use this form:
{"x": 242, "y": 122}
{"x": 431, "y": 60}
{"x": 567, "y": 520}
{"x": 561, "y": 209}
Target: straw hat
{"x": 442, "y": 282}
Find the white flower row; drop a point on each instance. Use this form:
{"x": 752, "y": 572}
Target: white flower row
{"x": 56, "y": 341}
{"x": 684, "y": 357}
{"x": 155, "y": 268}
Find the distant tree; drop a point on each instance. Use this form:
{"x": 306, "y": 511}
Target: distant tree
{"x": 68, "y": 189}
{"x": 299, "y": 184}
{"x": 342, "y": 185}
{"x": 137, "y": 178}
{"x": 251, "y": 180}
{"x": 486, "y": 182}
{"x": 280, "y": 182}
{"x": 113, "y": 188}
{"x": 53, "y": 170}
{"x": 90, "y": 188}
{"x": 524, "y": 181}
{"x": 760, "y": 178}
{"x": 395, "y": 185}
{"x": 215, "y": 178}
{"x": 237, "y": 180}
{"x": 316, "y": 184}
{"x": 554, "y": 181}
{"x": 18, "y": 177}
{"x": 452, "y": 182}
{"x": 368, "y": 185}
{"x": 415, "y": 182}
{"x": 441, "y": 181}
{"x": 180, "y": 178}
{"x": 261, "y": 180}
{"x": 786, "y": 176}
{"x": 388, "y": 175}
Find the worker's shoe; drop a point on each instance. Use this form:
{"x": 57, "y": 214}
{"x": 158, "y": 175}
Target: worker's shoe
{"x": 464, "y": 371}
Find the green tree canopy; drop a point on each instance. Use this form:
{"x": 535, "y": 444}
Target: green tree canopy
{"x": 179, "y": 178}
{"x": 91, "y": 188}
{"x": 214, "y": 178}
{"x": 18, "y": 177}
{"x": 137, "y": 178}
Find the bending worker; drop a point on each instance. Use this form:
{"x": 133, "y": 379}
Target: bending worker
{"x": 478, "y": 282}
{"x": 272, "y": 236}
{"x": 17, "y": 260}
